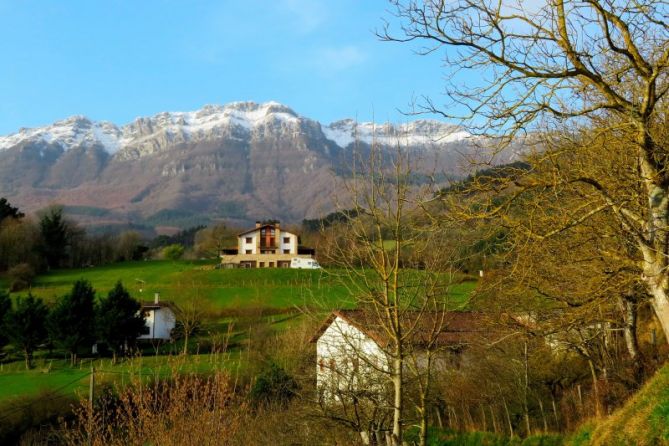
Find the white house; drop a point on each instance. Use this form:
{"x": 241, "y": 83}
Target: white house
{"x": 351, "y": 355}
{"x": 160, "y": 319}
{"x": 265, "y": 246}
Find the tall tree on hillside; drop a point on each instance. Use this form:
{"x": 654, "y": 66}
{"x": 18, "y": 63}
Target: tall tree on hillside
{"x": 119, "y": 320}
{"x": 19, "y": 243}
{"x": 26, "y": 325}
{"x": 565, "y": 61}
{"x": 372, "y": 247}
{"x": 5, "y": 307}
{"x": 54, "y": 230}
{"x": 8, "y": 211}
{"x": 71, "y": 323}
{"x": 211, "y": 240}
{"x": 190, "y": 316}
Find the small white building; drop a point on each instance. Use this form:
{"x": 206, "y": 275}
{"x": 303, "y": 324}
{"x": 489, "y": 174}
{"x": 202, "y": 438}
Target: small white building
{"x": 351, "y": 348}
{"x": 160, "y": 319}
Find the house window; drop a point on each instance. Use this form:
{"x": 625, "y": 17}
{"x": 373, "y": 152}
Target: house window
{"x": 286, "y": 251}
{"x": 249, "y": 240}
{"x": 271, "y": 264}
{"x": 261, "y": 264}
{"x": 286, "y": 240}
{"x": 249, "y": 251}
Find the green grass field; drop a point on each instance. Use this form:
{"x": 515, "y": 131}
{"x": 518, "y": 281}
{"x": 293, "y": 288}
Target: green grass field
{"x": 58, "y": 376}
{"x": 238, "y": 297}
{"x": 225, "y": 288}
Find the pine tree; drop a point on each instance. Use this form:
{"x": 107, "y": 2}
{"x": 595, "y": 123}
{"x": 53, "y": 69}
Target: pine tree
{"x": 5, "y": 307}
{"x": 71, "y": 323}
{"x": 119, "y": 320}
{"x": 53, "y": 228}
{"x": 26, "y": 325}
{"x": 8, "y": 211}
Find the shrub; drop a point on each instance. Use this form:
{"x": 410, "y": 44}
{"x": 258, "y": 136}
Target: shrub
{"x": 184, "y": 410}
{"x": 173, "y": 252}
{"x": 20, "y": 276}
{"x": 273, "y": 385}
{"x": 20, "y": 415}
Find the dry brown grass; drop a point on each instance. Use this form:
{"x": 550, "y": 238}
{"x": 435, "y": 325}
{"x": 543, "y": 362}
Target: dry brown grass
{"x": 182, "y": 410}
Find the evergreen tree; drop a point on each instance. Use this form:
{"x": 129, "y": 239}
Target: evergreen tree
{"x": 119, "y": 320}
{"x": 71, "y": 322}
{"x": 5, "y": 307}
{"x": 8, "y": 211}
{"x": 53, "y": 228}
{"x": 26, "y": 325}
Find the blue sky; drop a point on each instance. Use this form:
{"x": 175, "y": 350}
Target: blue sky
{"x": 116, "y": 60}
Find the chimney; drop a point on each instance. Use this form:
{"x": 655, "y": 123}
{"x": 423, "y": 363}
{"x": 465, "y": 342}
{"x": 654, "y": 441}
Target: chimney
{"x": 258, "y": 224}
{"x": 156, "y": 298}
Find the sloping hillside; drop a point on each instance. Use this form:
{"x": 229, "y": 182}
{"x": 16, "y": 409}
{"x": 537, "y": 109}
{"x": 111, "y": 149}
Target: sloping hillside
{"x": 643, "y": 420}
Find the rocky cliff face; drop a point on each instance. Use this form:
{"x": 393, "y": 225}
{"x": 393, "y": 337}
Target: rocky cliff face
{"x": 241, "y": 160}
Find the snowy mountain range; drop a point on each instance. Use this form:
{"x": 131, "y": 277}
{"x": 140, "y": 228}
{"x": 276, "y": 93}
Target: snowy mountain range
{"x": 237, "y": 119}
{"x": 241, "y": 160}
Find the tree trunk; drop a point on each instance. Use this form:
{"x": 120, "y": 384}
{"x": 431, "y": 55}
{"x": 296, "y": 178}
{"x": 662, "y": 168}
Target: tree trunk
{"x": 628, "y": 304}
{"x": 185, "y": 352}
{"x": 508, "y": 417}
{"x": 543, "y": 414}
{"x": 595, "y": 389}
{"x": 526, "y": 388}
{"x": 555, "y": 414}
{"x": 660, "y": 303}
{"x": 29, "y": 358}
{"x": 397, "y": 399}
{"x": 655, "y": 247}
{"x": 422, "y": 437}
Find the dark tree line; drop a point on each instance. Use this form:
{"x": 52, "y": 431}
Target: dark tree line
{"x": 73, "y": 324}
{"x": 51, "y": 240}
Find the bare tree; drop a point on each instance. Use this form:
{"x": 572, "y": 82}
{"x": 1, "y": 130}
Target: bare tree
{"x": 396, "y": 268}
{"x": 566, "y": 61}
{"x": 190, "y": 315}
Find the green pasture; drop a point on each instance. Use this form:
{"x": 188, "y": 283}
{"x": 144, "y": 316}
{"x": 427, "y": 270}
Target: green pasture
{"x": 242, "y": 301}
{"x": 226, "y": 289}
{"x": 58, "y": 376}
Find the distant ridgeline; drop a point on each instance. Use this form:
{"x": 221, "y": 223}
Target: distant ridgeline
{"x": 240, "y": 161}
{"x": 315, "y": 224}
{"x": 487, "y": 176}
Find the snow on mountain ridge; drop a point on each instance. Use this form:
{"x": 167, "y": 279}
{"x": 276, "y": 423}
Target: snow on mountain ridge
{"x": 420, "y": 132}
{"x": 71, "y": 132}
{"x": 218, "y": 119}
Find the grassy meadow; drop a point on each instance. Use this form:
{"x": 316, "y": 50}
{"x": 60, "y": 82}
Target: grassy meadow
{"x": 180, "y": 280}
{"x": 239, "y": 302}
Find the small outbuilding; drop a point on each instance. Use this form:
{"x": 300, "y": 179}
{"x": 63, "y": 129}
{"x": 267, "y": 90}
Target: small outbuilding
{"x": 351, "y": 346}
{"x": 160, "y": 319}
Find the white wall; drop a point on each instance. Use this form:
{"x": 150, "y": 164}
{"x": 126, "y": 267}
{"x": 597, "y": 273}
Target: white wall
{"x": 291, "y": 245}
{"x": 347, "y": 360}
{"x": 243, "y": 246}
{"x": 160, "y": 323}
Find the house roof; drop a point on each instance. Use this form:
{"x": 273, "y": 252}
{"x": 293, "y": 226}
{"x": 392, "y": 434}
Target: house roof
{"x": 146, "y": 305}
{"x": 442, "y": 327}
{"x": 264, "y": 226}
